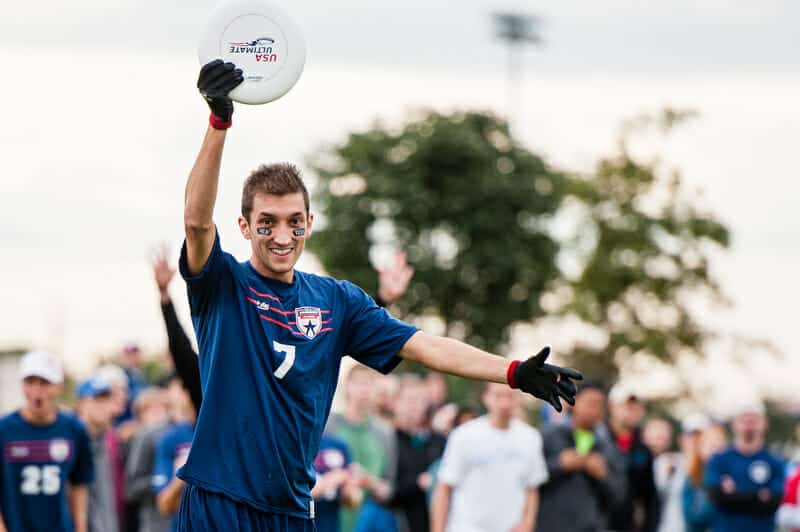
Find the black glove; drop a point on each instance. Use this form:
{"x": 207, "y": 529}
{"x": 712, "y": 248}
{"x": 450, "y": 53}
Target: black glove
{"x": 216, "y": 80}
{"x": 544, "y": 381}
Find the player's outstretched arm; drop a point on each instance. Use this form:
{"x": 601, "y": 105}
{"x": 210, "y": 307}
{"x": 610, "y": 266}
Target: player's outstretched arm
{"x": 534, "y": 376}
{"x": 216, "y": 80}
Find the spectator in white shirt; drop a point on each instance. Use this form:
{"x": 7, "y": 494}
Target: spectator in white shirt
{"x": 491, "y": 471}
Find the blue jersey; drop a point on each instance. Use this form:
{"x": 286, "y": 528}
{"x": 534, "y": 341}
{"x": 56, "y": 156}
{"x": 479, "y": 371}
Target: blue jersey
{"x": 750, "y": 474}
{"x": 173, "y": 444}
{"x": 269, "y": 364}
{"x": 37, "y": 464}
{"x": 333, "y": 454}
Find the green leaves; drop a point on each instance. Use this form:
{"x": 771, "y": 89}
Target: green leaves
{"x": 474, "y": 210}
{"x": 464, "y": 200}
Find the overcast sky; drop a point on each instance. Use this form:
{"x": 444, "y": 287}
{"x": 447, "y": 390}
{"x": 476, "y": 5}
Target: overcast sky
{"x": 103, "y": 123}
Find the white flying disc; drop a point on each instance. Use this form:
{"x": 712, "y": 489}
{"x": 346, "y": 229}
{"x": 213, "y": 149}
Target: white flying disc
{"x": 262, "y": 40}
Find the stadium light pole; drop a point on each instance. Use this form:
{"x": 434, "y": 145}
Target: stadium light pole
{"x": 516, "y": 30}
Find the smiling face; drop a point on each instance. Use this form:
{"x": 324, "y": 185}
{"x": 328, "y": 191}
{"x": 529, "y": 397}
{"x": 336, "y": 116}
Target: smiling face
{"x": 277, "y": 229}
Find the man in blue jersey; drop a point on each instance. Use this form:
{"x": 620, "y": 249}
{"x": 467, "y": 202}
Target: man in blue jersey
{"x": 172, "y": 449}
{"x": 46, "y": 460}
{"x": 271, "y": 341}
{"x": 746, "y": 481}
{"x": 336, "y": 485}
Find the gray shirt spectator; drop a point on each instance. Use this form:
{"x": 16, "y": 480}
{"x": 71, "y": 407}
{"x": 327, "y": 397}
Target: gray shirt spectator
{"x": 138, "y": 475}
{"x": 587, "y": 475}
{"x": 102, "y": 506}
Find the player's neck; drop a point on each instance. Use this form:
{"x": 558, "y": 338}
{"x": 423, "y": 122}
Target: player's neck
{"x": 500, "y": 422}
{"x": 44, "y": 418}
{"x": 258, "y": 266}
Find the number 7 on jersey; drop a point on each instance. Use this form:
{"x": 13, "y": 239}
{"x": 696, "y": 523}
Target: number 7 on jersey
{"x": 288, "y": 361}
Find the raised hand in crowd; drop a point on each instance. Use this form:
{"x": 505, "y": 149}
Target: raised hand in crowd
{"x": 163, "y": 273}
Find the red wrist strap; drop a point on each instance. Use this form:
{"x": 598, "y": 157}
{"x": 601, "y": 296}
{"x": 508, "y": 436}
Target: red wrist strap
{"x": 218, "y": 123}
{"x": 510, "y": 373}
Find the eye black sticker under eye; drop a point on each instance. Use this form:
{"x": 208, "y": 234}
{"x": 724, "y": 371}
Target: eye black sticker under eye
{"x": 299, "y": 232}
{"x": 266, "y": 231}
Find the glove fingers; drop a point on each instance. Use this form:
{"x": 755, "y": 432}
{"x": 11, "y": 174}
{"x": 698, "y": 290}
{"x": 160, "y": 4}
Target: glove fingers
{"x": 554, "y": 402}
{"x": 210, "y": 72}
{"x": 210, "y": 66}
{"x": 541, "y": 356}
{"x": 571, "y": 374}
{"x": 230, "y": 85}
{"x": 215, "y": 76}
{"x": 567, "y": 386}
{"x": 224, "y": 84}
{"x": 566, "y": 390}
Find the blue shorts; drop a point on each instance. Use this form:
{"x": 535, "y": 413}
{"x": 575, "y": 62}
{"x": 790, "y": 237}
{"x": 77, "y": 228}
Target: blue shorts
{"x": 205, "y": 511}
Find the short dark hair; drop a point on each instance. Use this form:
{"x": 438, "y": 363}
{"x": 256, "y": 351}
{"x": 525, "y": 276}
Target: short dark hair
{"x": 277, "y": 179}
{"x": 592, "y": 384}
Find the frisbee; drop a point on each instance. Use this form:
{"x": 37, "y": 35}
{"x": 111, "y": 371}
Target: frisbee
{"x": 258, "y": 37}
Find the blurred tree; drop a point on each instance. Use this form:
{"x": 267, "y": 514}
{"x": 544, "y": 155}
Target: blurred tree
{"x": 643, "y": 247}
{"x": 477, "y": 213}
{"x": 466, "y": 202}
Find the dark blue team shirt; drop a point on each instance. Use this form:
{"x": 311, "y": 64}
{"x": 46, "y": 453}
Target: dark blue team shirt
{"x": 37, "y": 464}
{"x": 333, "y": 454}
{"x": 750, "y": 474}
{"x": 269, "y": 363}
{"x": 173, "y": 444}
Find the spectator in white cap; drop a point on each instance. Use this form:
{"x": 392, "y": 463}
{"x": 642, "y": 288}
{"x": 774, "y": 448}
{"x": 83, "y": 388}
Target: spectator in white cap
{"x": 46, "y": 462}
{"x": 745, "y": 481}
{"x": 117, "y": 380}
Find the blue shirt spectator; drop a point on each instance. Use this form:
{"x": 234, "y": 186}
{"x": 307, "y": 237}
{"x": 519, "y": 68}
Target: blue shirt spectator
{"x": 746, "y": 481}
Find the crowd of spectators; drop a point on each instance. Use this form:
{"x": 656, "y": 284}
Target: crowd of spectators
{"x": 397, "y": 457}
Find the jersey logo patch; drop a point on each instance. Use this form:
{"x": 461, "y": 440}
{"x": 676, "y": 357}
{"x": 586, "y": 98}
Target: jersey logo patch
{"x": 759, "y": 472}
{"x": 308, "y": 321}
{"x": 59, "y": 450}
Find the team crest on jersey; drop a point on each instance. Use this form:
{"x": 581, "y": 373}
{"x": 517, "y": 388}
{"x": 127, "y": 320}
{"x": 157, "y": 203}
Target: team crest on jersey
{"x": 759, "y": 472}
{"x": 59, "y": 450}
{"x": 308, "y": 321}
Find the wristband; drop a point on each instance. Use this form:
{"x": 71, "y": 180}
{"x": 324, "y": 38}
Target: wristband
{"x": 510, "y": 373}
{"x": 218, "y": 123}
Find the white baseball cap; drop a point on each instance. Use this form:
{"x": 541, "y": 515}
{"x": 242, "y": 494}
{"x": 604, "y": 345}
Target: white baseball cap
{"x": 41, "y": 364}
{"x": 749, "y": 407}
{"x": 622, "y": 394}
{"x": 695, "y": 422}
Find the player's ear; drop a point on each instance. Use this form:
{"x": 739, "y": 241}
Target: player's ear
{"x": 244, "y": 227}
{"x": 309, "y": 224}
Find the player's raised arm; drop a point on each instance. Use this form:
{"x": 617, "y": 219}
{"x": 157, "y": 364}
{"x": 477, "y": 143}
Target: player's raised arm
{"x": 216, "y": 80}
{"x": 544, "y": 381}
